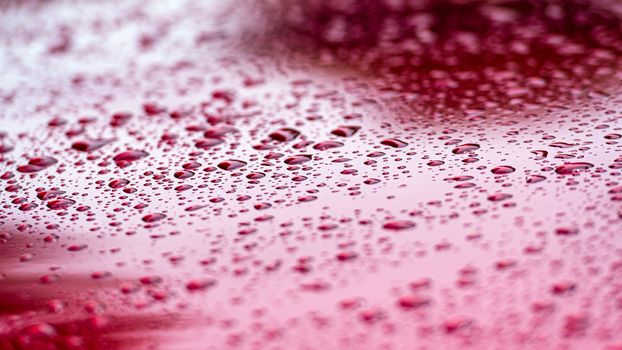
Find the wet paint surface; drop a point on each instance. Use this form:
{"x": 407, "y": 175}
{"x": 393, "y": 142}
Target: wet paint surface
{"x": 370, "y": 175}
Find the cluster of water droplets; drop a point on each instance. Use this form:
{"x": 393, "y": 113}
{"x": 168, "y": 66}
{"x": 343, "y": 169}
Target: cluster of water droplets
{"x": 376, "y": 192}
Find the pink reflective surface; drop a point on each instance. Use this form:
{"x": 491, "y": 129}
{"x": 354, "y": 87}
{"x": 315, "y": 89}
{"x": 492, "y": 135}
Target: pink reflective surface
{"x": 310, "y": 175}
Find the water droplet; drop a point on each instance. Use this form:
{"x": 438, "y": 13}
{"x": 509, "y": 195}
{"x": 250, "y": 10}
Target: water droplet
{"x": 572, "y": 168}
{"x": 183, "y": 174}
{"x": 208, "y": 143}
{"x": 413, "y": 301}
{"x": 398, "y": 225}
{"x": 502, "y": 170}
{"x": 60, "y": 203}
{"x": 153, "y": 217}
{"x": 118, "y": 183}
{"x": 5, "y": 148}
{"x": 90, "y": 145}
{"x": 540, "y": 154}
{"x": 465, "y": 148}
{"x": 561, "y": 145}
{"x": 47, "y": 195}
{"x": 77, "y": 247}
{"x": 37, "y": 164}
{"x": 124, "y": 159}
{"x": 566, "y": 231}
{"x": 563, "y": 287}
{"x": 346, "y": 256}
{"x": 532, "y": 179}
{"x": 49, "y": 279}
{"x": 255, "y": 176}
{"x": 200, "y": 284}
{"x": 220, "y": 131}
{"x": 395, "y": 143}
{"x": 326, "y": 145}
{"x": 499, "y": 197}
{"x": 435, "y": 163}
{"x": 231, "y": 164}
{"x": 298, "y": 159}
{"x": 284, "y": 134}
{"x": 345, "y": 130}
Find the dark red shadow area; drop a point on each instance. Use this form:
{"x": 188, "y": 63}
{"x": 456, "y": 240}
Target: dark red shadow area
{"x": 448, "y": 56}
{"x": 68, "y": 312}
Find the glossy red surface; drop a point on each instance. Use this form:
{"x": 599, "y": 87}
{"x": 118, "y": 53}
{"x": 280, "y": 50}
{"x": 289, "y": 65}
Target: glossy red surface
{"x": 310, "y": 174}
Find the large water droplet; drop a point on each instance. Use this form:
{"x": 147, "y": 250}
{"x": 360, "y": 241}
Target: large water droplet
{"x": 325, "y": 145}
{"x": 284, "y": 134}
{"x": 60, "y": 203}
{"x": 398, "y": 225}
{"x": 231, "y": 164}
{"x": 90, "y": 145}
{"x": 465, "y": 148}
{"x": 124, "y": 159}
{"x": 572, "y": 168}
{"x": 502, "y": 170}
{"x": 395, "y": 143}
